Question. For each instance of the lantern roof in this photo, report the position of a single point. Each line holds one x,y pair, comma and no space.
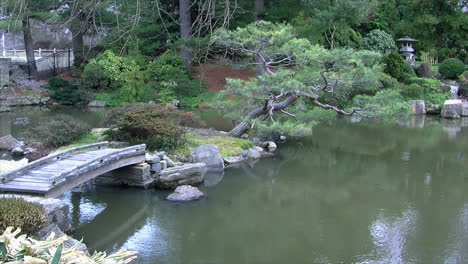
406,39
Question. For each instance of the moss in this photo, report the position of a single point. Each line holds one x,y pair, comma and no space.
92,137
30,217
228,146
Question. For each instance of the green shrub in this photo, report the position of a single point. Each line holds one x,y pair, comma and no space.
66,92
387,104
388,82
433,91
107,71
30,217
394,65
56,131
463,83
451,68
114,98
378,40
408,72
159,127
413,91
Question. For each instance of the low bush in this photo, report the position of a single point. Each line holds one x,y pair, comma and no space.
433,90
67,92
451,68
30,217
56,131
159,127
412,91
105,72
388,105
408,72
394,65
378,40
463,84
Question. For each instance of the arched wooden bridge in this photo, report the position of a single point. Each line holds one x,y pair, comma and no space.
62,171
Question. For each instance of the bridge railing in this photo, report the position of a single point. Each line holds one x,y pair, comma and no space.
98,162
50,158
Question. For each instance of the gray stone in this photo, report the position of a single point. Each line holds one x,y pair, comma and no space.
152,159
20,121
185,193
464,109
156,167
210,155
270,146
97,103
20,100
137,175
189,173
163,164
170,163
282,139
9,142
4,109
4,71
233,160
252,154
424,71
18,152
45,100
419,107
45,232
245,136
452,109
433,109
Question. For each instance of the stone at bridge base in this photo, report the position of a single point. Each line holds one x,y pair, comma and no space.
137,175
4,71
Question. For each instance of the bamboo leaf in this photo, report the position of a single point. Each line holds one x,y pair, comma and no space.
57,255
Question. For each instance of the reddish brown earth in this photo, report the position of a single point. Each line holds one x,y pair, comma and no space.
215,75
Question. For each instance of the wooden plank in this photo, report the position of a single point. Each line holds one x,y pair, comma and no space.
31,180
54,156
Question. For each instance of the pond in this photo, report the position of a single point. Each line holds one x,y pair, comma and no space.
351,193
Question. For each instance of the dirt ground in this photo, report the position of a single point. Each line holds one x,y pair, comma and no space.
215,75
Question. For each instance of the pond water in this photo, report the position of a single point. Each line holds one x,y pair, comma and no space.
351,193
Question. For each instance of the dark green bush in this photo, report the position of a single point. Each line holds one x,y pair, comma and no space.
394,65
67,92
56,131
16,212
451,68
463,84
159,127
413,91
408,72
434,93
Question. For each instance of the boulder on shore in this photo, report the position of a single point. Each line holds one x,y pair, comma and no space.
210,155
185,193
452,109
419,107
97,103
186,174
464,109
8,143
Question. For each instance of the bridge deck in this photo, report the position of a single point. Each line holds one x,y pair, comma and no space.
55,174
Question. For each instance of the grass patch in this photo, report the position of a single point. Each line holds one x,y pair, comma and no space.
228,146
92,137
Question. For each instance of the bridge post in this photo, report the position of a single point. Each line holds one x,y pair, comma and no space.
4,71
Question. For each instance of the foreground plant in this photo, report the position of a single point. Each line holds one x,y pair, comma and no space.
16,248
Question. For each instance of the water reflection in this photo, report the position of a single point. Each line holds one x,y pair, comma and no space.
352,193
390,235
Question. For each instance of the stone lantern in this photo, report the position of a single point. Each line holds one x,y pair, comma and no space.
407,50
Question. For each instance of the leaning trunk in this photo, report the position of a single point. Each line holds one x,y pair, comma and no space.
77,45
185,33
28,46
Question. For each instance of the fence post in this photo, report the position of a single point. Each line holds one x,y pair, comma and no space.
55,61
69,59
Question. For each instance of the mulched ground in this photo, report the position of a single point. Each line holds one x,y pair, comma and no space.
215,75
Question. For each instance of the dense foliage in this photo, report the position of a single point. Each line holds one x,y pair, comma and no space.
378,40
451,68
56,131
158,127
30,217
67,92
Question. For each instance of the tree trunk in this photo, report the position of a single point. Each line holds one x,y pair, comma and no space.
185,32
77,45
259,6
28,46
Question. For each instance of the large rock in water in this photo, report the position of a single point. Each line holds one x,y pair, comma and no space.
8,143
452,109
185,193
210,155
464,109
96,103
186,174
419,107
